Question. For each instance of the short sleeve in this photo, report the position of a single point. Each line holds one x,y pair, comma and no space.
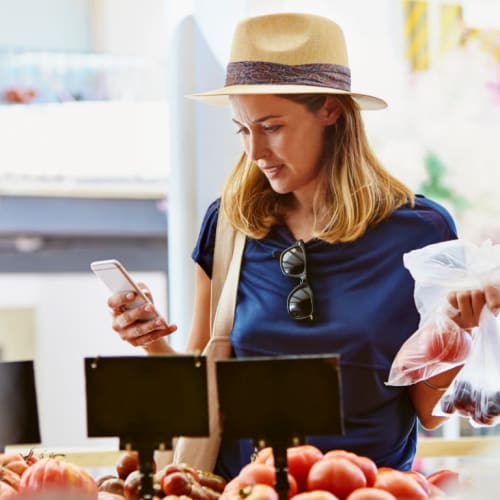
203,252
440,218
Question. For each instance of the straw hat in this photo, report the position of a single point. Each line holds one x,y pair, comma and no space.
288,54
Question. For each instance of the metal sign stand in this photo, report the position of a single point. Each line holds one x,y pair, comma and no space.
255,398
146,401
18,406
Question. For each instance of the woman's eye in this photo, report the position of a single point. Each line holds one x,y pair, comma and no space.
241,130
272,128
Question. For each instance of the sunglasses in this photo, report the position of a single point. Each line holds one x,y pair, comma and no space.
300,301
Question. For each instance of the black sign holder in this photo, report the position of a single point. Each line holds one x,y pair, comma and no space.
18,405
146,401
278,401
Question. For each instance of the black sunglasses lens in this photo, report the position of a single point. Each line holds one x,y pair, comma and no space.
300,302
293,261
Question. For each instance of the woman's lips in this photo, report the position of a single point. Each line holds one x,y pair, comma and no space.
272,171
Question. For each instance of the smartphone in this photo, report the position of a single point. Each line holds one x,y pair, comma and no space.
117,279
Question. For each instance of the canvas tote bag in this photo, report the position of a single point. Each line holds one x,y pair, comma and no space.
201,453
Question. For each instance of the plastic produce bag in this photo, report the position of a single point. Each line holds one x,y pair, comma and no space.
438,269
475,392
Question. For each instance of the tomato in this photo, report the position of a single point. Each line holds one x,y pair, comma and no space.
10,477
6,458
436,492
6,491
106,495
412,374
113,485
401,485
211,480
17,466
52,473
370,494
335,474
261,492
254,473
128,462
448,343
315,495
366,464
100,479
30,458
233,486
263,455
171,468
446,480
421,480
132,485
300,459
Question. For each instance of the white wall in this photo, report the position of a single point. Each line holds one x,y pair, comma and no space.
72,322
45,24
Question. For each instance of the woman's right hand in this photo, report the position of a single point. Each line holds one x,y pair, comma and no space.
134,325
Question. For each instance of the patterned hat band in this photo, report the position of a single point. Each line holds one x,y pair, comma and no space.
267,73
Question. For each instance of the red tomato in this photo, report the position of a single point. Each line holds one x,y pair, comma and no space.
106,495
128,462
300,459
264,455
10,477
256,473
113,485
366,464
7,491
170,468
336,475
448,343
412,374
436,492
421,480
132,485
17,466
30,458
52,473
6,458
253,473
315,495
233,486
211,480
370,494
262,492
401,485
446,480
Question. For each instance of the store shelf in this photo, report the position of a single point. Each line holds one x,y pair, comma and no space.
486,446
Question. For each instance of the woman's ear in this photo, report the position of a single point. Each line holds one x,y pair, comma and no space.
331,110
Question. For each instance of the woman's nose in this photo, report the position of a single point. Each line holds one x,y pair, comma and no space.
256,147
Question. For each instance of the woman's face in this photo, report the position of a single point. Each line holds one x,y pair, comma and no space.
284,138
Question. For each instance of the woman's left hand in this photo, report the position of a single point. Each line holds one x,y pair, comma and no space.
470,303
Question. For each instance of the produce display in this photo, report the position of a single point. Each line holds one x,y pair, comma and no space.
312,475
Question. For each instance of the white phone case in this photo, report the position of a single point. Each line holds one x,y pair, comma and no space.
116,278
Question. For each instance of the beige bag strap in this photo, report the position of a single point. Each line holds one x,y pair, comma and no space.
228,252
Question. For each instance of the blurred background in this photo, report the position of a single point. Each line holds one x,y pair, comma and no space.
102,156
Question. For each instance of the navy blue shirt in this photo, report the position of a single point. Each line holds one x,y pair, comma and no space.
365,311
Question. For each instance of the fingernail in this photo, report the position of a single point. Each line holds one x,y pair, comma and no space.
148,308
121,321
130,295
159,322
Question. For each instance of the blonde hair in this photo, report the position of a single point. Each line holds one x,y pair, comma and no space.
357,190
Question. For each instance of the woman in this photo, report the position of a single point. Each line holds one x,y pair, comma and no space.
308,185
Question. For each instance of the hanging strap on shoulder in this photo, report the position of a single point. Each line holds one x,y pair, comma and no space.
228,252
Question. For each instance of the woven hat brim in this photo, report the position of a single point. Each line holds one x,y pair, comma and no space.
221,96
